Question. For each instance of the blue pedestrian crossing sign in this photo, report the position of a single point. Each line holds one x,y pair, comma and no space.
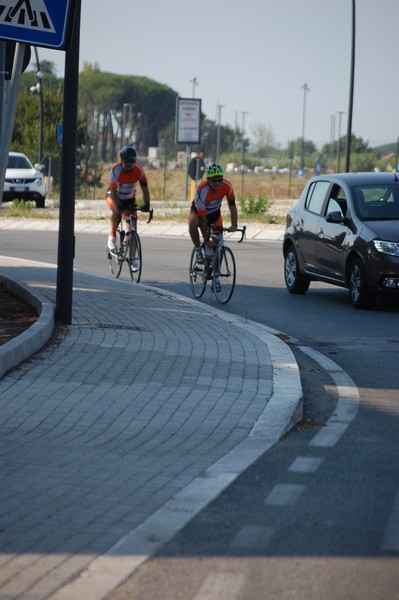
37,22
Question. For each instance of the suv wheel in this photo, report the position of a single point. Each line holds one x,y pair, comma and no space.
358,288
39,201
296,282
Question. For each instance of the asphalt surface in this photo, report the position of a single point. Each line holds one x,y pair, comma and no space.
118,429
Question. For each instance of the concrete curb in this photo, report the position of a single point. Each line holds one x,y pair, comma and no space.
23,346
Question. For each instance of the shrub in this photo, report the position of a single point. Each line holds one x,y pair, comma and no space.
252,206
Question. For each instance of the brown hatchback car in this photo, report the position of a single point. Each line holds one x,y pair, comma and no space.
344,230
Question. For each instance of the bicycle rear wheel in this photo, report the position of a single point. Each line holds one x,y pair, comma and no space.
197,275
115,259
227,276
134,258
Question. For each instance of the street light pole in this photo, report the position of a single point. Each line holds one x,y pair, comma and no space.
38,89
352,78
305,89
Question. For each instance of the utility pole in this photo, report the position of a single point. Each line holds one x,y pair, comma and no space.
305,89
194,81
219,111
243,113
340,113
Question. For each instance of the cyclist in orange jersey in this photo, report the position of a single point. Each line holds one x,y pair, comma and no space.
205,208
121,193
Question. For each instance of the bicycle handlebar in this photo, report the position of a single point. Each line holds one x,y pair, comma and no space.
241,230
133,208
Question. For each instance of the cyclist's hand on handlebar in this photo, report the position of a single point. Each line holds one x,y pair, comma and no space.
145,207
232,228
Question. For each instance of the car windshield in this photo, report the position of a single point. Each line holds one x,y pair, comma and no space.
377,203
18,162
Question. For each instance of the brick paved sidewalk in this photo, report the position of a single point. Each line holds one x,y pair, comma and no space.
125,413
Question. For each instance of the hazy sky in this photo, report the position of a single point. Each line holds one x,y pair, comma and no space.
254,57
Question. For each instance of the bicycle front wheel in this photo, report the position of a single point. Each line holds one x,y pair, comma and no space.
223,287
115,261
197,275
134,257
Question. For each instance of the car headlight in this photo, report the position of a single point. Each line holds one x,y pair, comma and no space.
391,248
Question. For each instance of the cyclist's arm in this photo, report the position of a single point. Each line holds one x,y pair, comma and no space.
233,216
146,195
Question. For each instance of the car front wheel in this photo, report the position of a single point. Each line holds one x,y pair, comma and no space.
358,288
296,282
39,201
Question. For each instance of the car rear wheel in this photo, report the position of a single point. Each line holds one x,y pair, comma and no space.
358,288
296,282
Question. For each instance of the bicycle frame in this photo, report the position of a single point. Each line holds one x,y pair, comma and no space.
219,267
128,247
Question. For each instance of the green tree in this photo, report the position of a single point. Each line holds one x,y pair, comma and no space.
103,95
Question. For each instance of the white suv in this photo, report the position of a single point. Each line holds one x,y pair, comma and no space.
23,181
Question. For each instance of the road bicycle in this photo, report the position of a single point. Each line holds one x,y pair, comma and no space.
128,246
219,267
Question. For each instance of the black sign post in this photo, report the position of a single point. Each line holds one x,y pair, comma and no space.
54,25
66,234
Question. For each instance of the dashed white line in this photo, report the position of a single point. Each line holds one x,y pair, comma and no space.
223,586
284,494
252,536
305,464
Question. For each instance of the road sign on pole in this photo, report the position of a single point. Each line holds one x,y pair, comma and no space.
37,22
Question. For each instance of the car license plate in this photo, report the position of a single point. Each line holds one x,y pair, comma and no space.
18,188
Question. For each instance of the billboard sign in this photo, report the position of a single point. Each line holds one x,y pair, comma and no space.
188,121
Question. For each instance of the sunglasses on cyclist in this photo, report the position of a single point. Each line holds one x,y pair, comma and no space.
128,161
216,179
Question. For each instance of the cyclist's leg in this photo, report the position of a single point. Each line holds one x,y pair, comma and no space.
114,220
193,228
114,216
216,221
135,228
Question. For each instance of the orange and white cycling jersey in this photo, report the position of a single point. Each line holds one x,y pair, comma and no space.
208,201
124,182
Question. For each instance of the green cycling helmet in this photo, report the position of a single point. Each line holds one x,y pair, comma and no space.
214,171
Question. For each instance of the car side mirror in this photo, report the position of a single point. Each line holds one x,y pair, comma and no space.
336,217
39,166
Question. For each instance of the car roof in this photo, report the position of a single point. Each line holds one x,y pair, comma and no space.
354,179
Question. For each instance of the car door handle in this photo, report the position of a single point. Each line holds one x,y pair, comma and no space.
320,233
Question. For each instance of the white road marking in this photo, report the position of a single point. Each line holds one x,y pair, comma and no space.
284,494
305,464
252,536
223,586
347,405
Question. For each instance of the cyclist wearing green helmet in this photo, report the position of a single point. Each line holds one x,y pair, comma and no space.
205,208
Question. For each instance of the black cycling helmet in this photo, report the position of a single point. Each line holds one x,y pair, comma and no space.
128,154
